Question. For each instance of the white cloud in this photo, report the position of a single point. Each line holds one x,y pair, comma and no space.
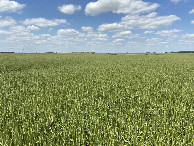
191,12
192,22
99,7
125,33
175,1
112,27
32,27
45,35
157,42
21,35
87,29
19,38
95,36
17,28
118,40
74,37
68,37
69,9
148,32
122,34
119,6
154,40
4,32
98,37
42,22
10,6
150,21
67,32
168,32
7,22
188,36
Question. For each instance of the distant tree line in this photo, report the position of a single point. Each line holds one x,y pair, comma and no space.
83,52
7,52
183,52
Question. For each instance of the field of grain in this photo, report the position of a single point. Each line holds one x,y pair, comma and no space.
96,99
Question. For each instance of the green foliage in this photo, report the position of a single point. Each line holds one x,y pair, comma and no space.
96,99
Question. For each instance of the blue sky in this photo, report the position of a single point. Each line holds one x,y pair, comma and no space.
96,25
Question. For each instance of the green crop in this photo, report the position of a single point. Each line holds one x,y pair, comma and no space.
96,99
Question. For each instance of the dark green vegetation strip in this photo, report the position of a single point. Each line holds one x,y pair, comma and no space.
66,99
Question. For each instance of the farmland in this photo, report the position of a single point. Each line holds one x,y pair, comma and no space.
96,99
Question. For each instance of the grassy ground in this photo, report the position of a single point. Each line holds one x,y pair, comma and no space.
96,99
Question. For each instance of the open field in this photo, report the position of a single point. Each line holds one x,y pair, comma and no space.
96,99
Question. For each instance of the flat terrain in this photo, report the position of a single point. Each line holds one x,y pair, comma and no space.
96,99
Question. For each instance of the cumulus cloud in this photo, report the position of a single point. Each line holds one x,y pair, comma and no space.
192,22
69,36
154,42
8,21
126,34
42,22
74,37
148,32
45,35
32,27
136,17
69,9
168,32
191,12
20,34
112,27
4,32
67,32
118,40
122,34
19,37
98,37
17,28
10,6
188,36
150,21
87,29
119,6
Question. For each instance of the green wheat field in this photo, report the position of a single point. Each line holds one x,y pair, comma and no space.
96,99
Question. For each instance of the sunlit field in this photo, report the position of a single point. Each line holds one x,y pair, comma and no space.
96,99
